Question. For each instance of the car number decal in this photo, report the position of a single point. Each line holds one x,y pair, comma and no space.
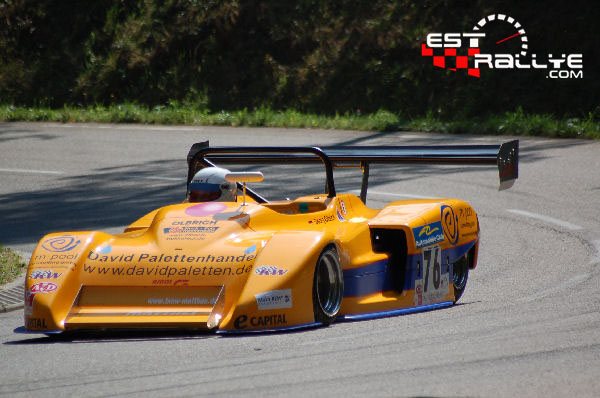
433,285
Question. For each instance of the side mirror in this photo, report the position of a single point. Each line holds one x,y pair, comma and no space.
244,177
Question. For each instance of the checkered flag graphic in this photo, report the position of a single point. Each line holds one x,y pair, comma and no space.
448,58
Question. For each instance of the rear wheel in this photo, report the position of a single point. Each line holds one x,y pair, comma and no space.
460,274
328,286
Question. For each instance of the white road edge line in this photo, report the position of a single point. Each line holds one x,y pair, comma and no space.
136,127
155,178
577,279
564,224
596,258
164,178
31,171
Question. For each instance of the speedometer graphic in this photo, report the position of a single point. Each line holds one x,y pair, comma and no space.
502,37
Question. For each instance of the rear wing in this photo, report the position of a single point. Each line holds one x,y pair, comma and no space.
504,156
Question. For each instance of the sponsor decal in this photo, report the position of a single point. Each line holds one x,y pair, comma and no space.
205,209
269,270
37,288
36,323
165,258
167,270
343,208
469,224
274,299
428,234
241,322
339,215
167,282
189,230
60,243
29,296
54,260
465,213
450,224
95,256
43,287
433,285
159,313
181,301
466,218
44,274
322,220
504,46
168,266
188,223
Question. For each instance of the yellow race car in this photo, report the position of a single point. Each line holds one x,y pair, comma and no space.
244,263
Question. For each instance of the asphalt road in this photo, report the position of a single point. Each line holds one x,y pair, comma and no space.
527,325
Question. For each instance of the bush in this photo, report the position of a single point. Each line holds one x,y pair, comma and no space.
318,57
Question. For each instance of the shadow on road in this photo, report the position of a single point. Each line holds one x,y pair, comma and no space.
116,196
108,336
104,199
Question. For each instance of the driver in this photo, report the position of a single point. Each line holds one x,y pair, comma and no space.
209,185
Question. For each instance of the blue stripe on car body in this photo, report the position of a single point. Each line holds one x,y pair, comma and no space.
376,277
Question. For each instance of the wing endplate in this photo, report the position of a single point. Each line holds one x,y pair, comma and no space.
508,164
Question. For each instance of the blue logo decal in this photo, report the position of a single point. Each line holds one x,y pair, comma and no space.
250,249
450,224
60,243
428,234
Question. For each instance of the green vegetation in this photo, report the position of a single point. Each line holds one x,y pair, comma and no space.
11,265
314,56
509,123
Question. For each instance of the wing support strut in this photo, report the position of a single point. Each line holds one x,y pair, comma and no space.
365,181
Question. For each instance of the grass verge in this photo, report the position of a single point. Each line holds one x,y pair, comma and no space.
11,265
509,123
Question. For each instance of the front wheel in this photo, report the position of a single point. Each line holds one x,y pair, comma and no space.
460,274
328,286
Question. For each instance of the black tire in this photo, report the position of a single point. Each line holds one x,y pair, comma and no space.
460,275
328,286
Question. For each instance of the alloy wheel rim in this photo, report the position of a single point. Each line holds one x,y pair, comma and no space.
328,284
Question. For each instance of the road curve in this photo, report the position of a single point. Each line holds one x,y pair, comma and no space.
527,325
